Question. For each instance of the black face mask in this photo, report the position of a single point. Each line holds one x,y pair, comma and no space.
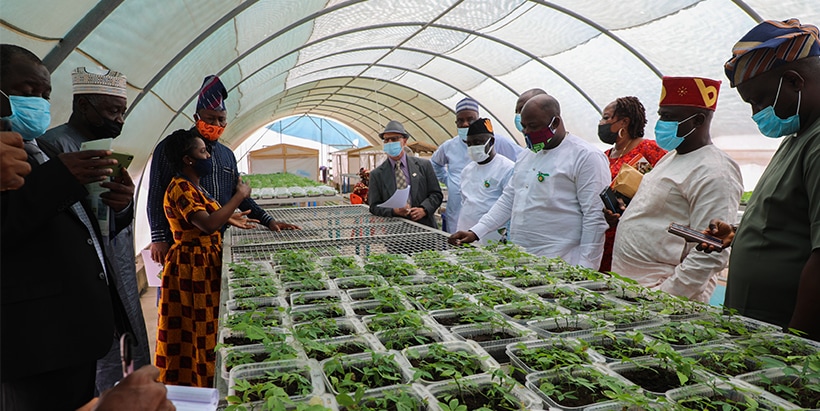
606,135
108,129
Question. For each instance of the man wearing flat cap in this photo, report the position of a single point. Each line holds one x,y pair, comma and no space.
450,158
694,182
211,119
98,108
774,269
399,171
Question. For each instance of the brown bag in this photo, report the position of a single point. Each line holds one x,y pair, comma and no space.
627,180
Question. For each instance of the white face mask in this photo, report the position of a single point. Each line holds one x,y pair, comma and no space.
479,153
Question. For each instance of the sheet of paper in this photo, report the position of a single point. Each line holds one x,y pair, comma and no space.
398,199
152,269
193,398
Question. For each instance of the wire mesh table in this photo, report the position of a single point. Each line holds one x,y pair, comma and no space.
335,230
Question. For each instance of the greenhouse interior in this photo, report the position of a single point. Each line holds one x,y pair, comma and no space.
414,205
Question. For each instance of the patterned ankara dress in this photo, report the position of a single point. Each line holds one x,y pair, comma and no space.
650,151
189,300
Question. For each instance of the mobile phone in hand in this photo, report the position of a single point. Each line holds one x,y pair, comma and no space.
126,354
694,236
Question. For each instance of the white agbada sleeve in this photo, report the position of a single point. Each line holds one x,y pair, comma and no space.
498,215
593,177
711,195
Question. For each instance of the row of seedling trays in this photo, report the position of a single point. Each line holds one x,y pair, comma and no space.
363,325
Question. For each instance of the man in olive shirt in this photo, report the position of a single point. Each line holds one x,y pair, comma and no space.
775,263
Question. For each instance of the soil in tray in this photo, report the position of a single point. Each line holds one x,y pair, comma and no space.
717,402
559,330
379,309
400,342
496,336
733,369
309,315
234,341
654,378
803,396
351,347
316,300
365,375
619,349
493,400
292,388
435,370
523,314
583,395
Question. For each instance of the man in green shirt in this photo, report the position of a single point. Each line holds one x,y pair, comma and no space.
774,270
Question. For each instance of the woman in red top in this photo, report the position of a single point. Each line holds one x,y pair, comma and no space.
623,124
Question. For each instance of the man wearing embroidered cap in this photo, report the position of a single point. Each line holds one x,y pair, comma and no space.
451,157
398,171
59,303
98,107
692,183
211,119
774,269
484,179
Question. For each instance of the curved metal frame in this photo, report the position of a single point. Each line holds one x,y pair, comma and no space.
339,93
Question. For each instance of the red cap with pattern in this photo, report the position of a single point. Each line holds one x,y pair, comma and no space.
690,91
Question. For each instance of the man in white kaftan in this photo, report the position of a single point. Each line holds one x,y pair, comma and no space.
484,179
687,186
552,200
451,157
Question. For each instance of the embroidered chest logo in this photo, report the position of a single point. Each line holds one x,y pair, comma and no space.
541,176
487,183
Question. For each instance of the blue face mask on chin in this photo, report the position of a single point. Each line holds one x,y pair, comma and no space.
770,125
30,116
393,148
666,133
518,124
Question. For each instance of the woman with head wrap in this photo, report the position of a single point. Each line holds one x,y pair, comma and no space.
622,124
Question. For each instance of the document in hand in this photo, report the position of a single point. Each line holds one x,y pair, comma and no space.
398,199
193,398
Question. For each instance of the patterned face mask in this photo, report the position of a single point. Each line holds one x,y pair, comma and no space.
208,131
537,140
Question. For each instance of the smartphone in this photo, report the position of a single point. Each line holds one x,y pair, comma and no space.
123,160
694,236
610,200
126,354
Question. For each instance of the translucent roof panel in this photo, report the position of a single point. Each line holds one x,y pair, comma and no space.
363,63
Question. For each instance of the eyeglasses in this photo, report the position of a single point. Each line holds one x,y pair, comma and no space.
392,139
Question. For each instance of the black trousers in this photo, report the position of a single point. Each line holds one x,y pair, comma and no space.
63,389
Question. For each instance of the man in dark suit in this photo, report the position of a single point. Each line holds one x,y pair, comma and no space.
60,308
400,171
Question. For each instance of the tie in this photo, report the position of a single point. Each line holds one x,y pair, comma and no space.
401,181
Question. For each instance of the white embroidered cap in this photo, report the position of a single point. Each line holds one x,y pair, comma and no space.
112,83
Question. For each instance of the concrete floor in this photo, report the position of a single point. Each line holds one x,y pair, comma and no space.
148,300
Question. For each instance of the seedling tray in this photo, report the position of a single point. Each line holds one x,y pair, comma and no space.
484,360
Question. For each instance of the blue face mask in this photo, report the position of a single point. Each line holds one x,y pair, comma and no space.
518,124
462,133
773,126
666,133
393,149
204,167
30,116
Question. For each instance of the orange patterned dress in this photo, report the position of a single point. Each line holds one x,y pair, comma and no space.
652,153
189,298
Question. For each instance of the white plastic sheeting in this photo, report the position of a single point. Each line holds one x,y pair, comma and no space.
364,63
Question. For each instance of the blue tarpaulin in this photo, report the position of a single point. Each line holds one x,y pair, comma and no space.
319,129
